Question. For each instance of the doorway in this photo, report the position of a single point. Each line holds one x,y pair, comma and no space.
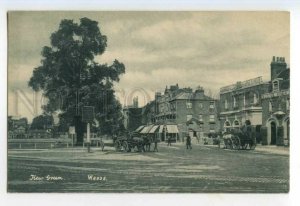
273,133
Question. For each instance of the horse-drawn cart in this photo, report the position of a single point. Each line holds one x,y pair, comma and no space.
240,138
132,141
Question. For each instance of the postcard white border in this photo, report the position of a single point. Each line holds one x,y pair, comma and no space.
155,199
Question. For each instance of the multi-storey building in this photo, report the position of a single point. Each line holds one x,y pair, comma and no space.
181,110
276,105
241,102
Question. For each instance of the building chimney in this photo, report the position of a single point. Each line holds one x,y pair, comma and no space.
277,67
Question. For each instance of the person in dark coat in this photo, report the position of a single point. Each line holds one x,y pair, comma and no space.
155,144
169,141
188,142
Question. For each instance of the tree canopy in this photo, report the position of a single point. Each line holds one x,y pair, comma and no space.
69,74
42,122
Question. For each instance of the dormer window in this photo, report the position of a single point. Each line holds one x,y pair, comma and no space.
275,85
189,105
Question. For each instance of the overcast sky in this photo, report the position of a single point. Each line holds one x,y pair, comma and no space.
210,49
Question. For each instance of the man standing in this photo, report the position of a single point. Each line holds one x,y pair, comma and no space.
169,141
155,144
188,142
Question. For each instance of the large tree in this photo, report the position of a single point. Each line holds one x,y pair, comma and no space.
70,77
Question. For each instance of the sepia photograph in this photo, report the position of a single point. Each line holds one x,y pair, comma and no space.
148,102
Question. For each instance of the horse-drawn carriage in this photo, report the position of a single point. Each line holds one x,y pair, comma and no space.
240,138
131,141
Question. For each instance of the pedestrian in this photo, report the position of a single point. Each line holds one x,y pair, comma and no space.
155,144
188,142
169,141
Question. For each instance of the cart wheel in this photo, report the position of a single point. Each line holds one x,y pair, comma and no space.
236,143
230,144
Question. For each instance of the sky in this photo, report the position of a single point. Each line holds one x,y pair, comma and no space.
208,49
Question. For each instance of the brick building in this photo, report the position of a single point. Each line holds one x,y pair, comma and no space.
276,105
241,102
179,111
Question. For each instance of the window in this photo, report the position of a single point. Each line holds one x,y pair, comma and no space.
226,104
189,105
211,105
234,102
188,117
211,128
227,124
275,86
200,117
212,118
200,105
236,123
270,106
173,107
287,104
254,98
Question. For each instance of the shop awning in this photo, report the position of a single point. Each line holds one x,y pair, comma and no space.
172,129
146,129
139,128
153,129
161,127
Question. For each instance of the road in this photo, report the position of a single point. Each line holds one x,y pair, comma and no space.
204,169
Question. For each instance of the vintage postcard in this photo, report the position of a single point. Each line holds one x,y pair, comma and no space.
148,102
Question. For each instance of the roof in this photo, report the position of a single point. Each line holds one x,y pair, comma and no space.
191,96
284,74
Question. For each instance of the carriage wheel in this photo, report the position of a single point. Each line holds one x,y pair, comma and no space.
230,144
117,145
227,143
125,146
236,143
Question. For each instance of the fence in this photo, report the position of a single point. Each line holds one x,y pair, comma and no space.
39,143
